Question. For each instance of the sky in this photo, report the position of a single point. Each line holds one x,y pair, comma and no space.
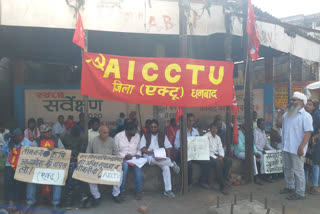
285,8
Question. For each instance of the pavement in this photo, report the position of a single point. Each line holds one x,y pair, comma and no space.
199,201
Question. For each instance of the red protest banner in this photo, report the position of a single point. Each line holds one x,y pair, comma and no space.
157,81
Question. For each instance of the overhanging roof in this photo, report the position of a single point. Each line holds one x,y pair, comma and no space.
50,24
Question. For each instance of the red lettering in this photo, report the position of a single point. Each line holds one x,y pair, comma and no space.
60,95
152,21
38,94
167,22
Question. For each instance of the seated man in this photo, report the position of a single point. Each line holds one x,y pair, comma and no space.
262,144
105,145
152,140
94,131
49,141
59,128
128,143
77,143
239,151
190,132
218,161
222,133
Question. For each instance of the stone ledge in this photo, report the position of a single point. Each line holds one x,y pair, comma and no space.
152,176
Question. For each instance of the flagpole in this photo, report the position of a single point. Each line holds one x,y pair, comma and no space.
247,100
289,78
183,46
228,57
85,97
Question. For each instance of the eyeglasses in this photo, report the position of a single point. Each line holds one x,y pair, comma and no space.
293,100
153,127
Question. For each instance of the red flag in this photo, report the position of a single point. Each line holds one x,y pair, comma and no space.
179,113
254,43
235,111
78,37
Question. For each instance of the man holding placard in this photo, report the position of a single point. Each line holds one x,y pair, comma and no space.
190,132
50,141
155,146
128,143
218,161
13,188
77,143
105,145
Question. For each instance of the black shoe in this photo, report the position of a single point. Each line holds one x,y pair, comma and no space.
117,199
84,203
68,205
96,202
268,179
286,191
55,209
295,196
225,190
257,181
204,185
123,196
138,196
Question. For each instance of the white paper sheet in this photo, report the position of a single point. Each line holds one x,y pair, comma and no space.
160,153
139,162
198,148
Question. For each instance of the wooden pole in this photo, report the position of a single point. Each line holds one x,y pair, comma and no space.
139,112
247,100
85,98
183,52
228,57
289,78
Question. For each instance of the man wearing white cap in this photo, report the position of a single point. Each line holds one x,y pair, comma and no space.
296,126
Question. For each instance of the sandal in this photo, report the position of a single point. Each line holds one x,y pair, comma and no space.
314,191
295,197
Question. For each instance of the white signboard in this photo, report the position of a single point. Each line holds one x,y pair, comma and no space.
48,104
198,148
273,162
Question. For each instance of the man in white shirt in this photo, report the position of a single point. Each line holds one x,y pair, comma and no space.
153,140
262,144
94,131
3,132
190,132
128,143
59,128
218,161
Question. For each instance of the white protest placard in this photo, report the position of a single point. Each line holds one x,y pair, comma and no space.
198,148
273,162
98,169
41,166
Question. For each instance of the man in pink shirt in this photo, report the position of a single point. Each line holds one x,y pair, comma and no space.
32,132
128,143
